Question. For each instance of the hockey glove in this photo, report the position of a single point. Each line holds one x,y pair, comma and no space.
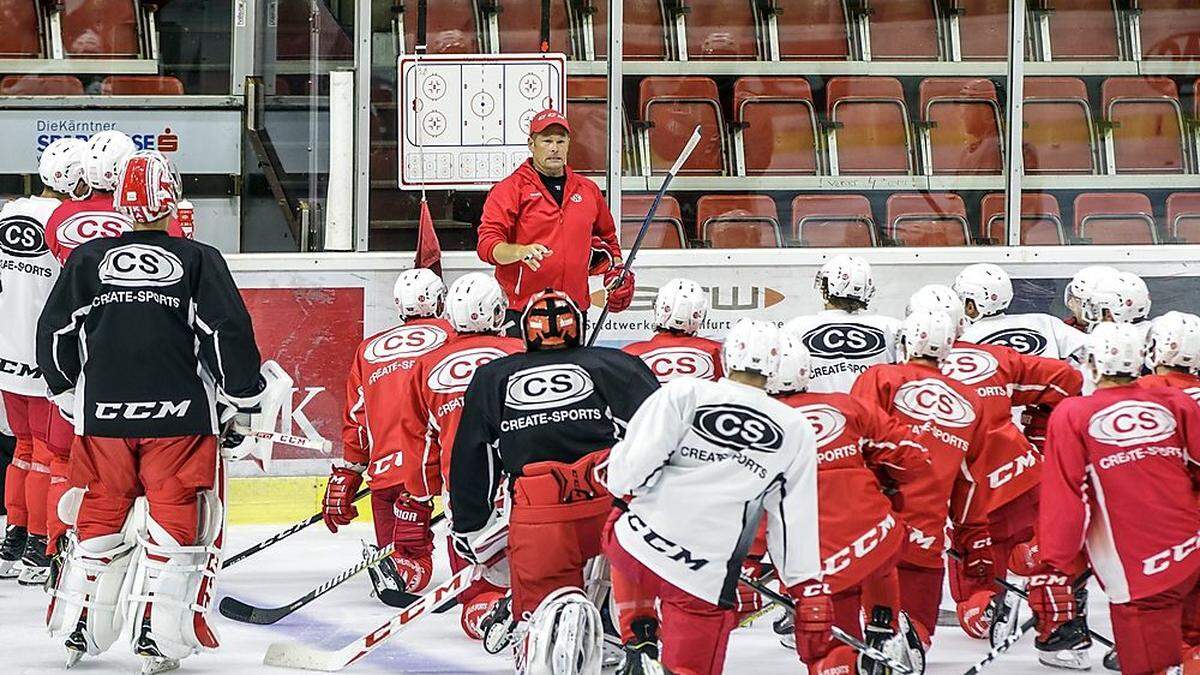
620,295
604,256
413,538
1052,600
814,621
337,509
1025,558
974,547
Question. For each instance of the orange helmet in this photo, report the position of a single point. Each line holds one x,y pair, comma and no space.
551,320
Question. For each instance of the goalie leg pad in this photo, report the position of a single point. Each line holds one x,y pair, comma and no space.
90,581
565,636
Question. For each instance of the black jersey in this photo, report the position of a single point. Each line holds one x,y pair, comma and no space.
553,405
147,328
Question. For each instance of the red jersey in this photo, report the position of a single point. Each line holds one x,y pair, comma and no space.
944,414
520,210
671,355
1190,384
74,223
855,439
429,412
377,383
1119,485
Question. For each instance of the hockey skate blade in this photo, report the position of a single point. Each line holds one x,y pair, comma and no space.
296,655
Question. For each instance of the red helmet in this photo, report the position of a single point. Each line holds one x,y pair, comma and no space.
148,188
551,320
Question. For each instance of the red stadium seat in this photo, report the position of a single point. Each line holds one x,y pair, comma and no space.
833,221
645,34
673,106
812,31
103,28
1083,30
964,113
21,37
780,134
1058,126
928,219
41,85
1183,216
1115,218
738,221
141,85
451,29
1170,29
872,135
1148,134
1041,221
903,30
721,29
293,37
520,24
983,30
587,111
665,229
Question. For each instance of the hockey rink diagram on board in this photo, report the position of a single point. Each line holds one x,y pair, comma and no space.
464,119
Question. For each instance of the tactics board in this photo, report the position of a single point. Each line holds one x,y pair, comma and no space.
464,118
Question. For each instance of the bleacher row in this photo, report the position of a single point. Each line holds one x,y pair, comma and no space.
911,219
75,29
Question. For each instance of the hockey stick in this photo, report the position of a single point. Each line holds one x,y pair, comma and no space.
323,445
1021,593
1003,646
284,534
637,243
838,633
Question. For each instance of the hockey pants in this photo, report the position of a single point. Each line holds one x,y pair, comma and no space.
60,436
1008,525
28,476
1150,632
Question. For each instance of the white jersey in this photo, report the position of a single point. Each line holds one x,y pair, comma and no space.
1031,334
702,461
27,273
844,344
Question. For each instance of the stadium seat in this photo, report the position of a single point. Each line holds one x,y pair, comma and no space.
903,30
672,107
1041,221
141,85
833,221
872,131
964,119
451,29
21,38
927,219
665,229
738,221
1170,29
983,30
780,127
293,37
1115,218
1147,120
41,85
587,111
1183,217
103,28
812,31
645,34
1058,126
520,24
1082,30
721,30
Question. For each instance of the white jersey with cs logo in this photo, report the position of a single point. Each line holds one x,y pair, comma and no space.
1029,334
844,344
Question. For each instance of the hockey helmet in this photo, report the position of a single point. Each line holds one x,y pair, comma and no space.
148,187
794,365
751,346
938,298
1115,349
61,167
1123,294
551,320
987,285
103,157
1174,341
475,303
681,305
1082,285
927,334
846,276
419,293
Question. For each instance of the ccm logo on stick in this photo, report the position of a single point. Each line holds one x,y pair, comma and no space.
934,401
88,225
736,427
1131,423
140,265
826,420
549,386
404,342
452,374
22,237
970,366
845,340
670,362
142,410
1022,340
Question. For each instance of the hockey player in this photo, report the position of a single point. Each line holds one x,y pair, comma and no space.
546,419
1173,352
27,273
1119,495
142,336
1119,298
373,443
844,340
431,408
1079,289
700,463
676,350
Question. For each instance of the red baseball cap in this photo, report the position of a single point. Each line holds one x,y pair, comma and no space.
548,118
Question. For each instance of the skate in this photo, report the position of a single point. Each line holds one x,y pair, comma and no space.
877,633
785,628
497,626
906,647
1067,648
1111,662
76,643
11,550
35,562
152,659
643,644
1006,617
383,576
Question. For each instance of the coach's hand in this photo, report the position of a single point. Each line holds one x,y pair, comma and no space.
620,290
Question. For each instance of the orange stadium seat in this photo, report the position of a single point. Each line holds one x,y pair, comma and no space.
645,34
293,38
1082,30
903,30
833,221
1041,221
587,111
812,31
1170,29
21,38
983,30
928,219
1183,216
672,107
1058,126
1115,218
520,24
451,29
964,114
141,85
665,229
103,28
1147,135
721,29
40,85
780,134
738,221
872,134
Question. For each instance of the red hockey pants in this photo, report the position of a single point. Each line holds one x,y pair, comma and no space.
1149,632
28,476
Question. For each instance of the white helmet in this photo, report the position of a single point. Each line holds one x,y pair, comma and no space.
1082,284
1123,294
846,276
1115,349
61,166
751,346
987,285
927,334
939,298
419,292
794,366
102,159
476,304
1174,340
681,305
565,636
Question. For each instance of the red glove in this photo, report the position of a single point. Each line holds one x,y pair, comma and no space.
604,256
748,600
814,621
1052,600
337,508
620,296
974,544
1034,420
413,538
1025,558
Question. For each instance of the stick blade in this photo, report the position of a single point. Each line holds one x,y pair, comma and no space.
232,608
296,655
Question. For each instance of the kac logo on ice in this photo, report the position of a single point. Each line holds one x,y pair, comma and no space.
165,141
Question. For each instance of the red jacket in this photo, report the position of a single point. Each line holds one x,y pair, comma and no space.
520,210
671,355
1190,384
76,222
